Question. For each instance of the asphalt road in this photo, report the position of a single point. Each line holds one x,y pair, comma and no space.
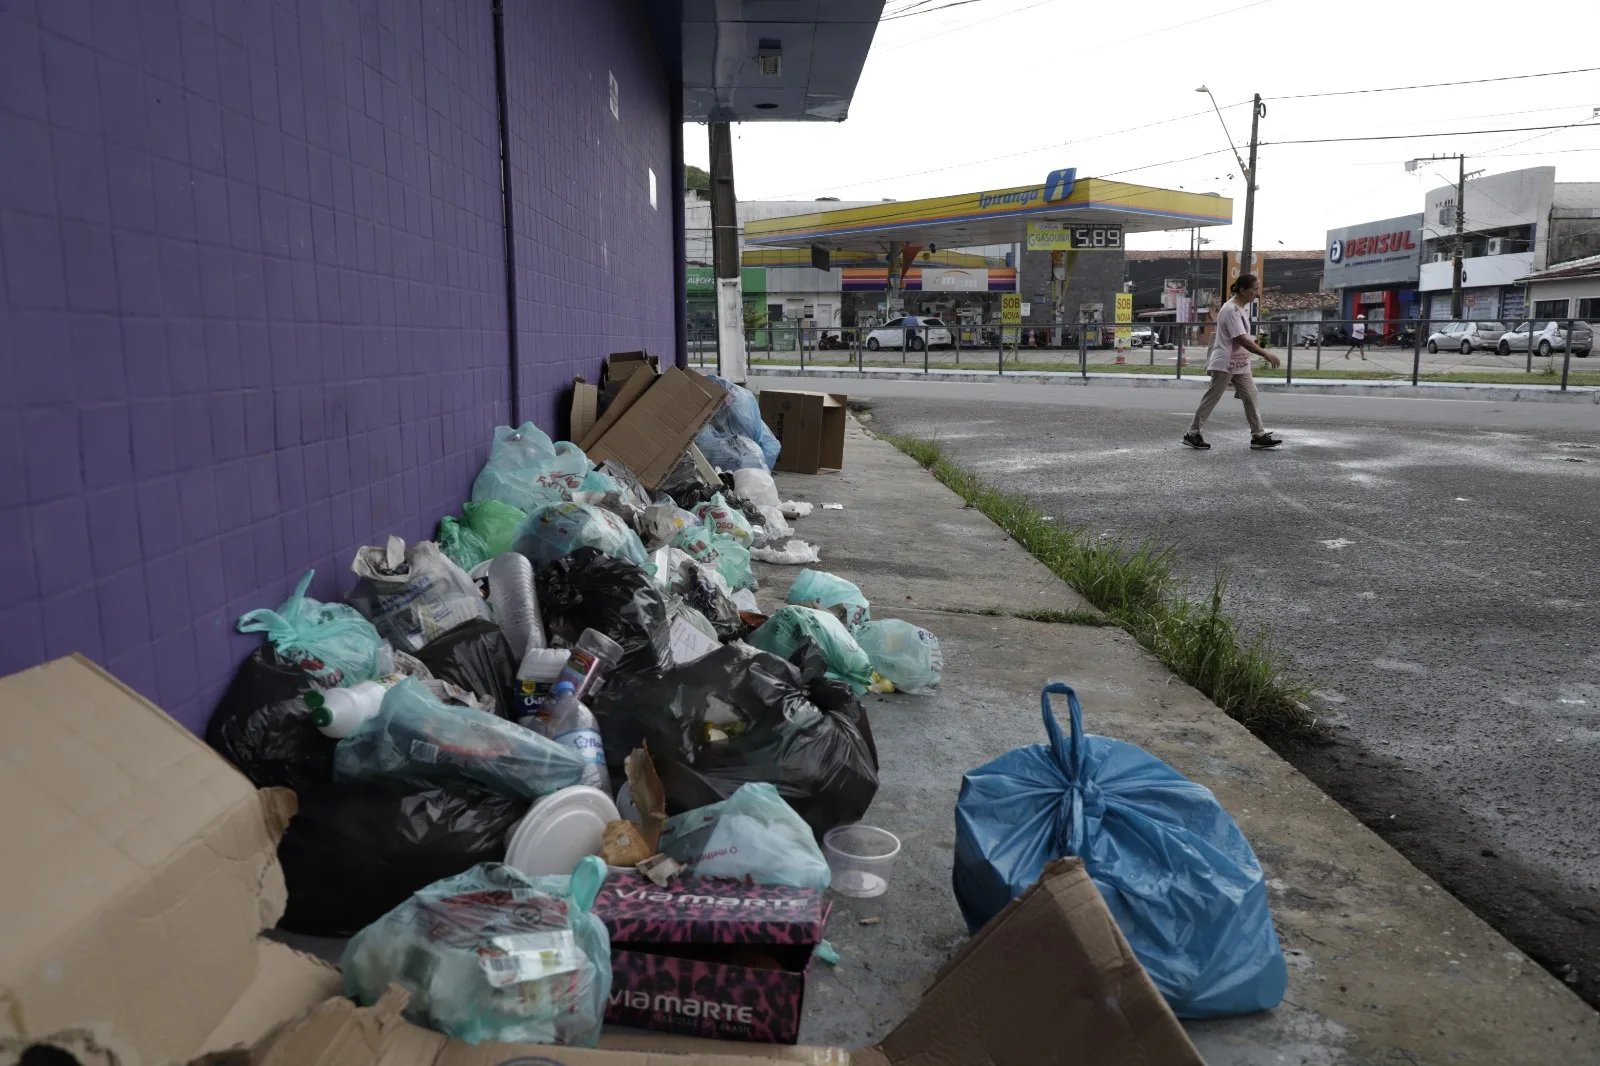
1433,564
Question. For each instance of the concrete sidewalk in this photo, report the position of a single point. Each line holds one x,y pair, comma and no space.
1385,967
1195,378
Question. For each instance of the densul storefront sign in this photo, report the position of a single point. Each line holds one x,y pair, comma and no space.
1387,252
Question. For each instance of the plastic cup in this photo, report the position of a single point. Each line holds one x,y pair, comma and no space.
861,858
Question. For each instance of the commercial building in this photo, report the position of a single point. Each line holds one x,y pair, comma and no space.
273,274
1515,225
1375,267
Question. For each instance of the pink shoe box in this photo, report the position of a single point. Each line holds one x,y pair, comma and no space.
710,957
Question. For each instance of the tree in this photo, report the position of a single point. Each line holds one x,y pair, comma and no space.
755,317
695,178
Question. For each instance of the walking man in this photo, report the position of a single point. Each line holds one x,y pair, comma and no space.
1358,337
1229,365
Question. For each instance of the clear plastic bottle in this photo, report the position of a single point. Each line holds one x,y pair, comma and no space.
568,722
591,658
515,602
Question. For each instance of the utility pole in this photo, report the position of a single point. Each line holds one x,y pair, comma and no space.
1457,310
731,362
1461,221
1257,110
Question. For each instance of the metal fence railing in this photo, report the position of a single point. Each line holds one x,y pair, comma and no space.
1401,348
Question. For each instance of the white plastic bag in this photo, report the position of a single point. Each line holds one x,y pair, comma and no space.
757,486
413,595
794,553
525,469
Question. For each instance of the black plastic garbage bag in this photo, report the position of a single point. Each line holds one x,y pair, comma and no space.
263,726
819,756
591,590
358,849
477,657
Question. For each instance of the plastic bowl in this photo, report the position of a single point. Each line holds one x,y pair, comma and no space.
861,858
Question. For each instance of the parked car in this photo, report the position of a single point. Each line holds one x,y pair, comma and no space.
1550,337
1466,337
1141,337
892,334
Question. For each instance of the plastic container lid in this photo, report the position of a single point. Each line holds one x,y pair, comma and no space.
563,688
560,830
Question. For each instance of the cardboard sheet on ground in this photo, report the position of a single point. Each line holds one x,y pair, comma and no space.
652,420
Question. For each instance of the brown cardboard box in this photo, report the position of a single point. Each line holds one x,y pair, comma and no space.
656,424
138,870
809,425
1049,982
625,398
620,366
584,412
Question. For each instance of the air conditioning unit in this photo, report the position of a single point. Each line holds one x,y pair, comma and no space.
1439,257
1496,246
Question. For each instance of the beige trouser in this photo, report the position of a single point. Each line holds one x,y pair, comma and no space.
1221,380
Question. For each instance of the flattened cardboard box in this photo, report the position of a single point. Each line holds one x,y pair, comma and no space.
584,411
139,869
1050,981
652,431
809,425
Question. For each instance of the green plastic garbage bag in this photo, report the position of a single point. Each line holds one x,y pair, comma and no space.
786,630
558,529
752,834
525,469
728,521
723,554
493,954
489,528
331,641
818,588
907,655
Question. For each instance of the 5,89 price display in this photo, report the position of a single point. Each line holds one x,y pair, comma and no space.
1065,237
1085,238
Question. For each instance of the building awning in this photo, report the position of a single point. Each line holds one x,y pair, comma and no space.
764,60
997,217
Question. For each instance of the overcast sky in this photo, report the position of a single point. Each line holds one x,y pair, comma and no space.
995,93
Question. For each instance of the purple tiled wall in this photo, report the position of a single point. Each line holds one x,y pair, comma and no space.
252,299
594,258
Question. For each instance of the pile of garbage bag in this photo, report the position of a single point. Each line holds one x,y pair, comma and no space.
424,722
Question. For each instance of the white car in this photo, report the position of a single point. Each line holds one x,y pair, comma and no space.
1465,337
1551,337
892,334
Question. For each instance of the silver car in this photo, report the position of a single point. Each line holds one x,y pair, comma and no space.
1550,337
1465,337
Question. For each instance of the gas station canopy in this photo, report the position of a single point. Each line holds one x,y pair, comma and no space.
998,217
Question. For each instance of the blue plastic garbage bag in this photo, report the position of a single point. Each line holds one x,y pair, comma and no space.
741,413
1176,873
493,954
729,451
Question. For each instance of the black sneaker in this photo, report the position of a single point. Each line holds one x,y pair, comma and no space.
1196,441
1266,440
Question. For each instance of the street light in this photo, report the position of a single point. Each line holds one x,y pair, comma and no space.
1236,158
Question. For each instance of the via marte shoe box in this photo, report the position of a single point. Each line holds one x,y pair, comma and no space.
710,957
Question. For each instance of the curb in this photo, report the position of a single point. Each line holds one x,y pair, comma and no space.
1437,390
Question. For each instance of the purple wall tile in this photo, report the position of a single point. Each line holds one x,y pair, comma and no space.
263,303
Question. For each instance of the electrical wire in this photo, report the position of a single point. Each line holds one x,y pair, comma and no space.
1413,136
1436,84
925,10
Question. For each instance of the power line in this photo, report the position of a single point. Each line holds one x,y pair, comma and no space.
1436,84
908,12
1414,136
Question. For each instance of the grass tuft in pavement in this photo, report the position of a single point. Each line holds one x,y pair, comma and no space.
1133,583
